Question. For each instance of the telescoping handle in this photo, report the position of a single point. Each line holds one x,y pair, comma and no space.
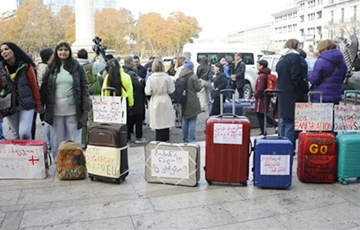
315,93
356,92
222,92
111,89
272,92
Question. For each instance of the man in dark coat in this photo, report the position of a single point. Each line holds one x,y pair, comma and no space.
238,75
141,70
136,113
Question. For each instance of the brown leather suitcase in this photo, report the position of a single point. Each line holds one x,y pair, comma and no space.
107,152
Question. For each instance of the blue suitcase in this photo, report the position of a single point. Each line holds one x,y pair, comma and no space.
273,158
348,165
239,105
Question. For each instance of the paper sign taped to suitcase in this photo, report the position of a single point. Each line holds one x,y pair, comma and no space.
347,118
170,163
231,134
22,162
275,165
313,116
109,109
103,161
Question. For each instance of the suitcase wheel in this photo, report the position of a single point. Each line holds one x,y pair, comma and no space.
342,181
209,182
91,178
243,183
119,180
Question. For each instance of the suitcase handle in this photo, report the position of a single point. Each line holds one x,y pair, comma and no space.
272,92
17,141
356,92
222,92
315,93
111,89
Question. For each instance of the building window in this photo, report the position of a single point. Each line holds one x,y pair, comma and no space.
302,32
301,18
319,30
342,14
290,28
294,27
355,13
319,14
331,1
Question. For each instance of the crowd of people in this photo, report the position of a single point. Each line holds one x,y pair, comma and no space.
60,86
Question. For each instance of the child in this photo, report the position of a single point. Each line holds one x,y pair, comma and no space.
261,84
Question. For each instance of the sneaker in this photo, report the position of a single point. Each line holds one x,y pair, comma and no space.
203,110
140,141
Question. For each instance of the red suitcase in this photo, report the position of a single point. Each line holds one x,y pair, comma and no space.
317,155
227,147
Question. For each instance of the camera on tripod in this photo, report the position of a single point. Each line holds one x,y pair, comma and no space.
98,48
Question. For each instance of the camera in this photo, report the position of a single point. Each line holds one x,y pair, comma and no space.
98,48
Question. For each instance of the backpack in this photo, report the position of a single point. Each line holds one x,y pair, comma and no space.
180,93
271,82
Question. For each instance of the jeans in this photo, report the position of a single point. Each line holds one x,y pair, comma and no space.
287,129
269,120
1,130
48,135
189,128
21,123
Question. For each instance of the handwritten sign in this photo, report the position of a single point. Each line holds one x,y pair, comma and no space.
22,162
171,164
347,118
275,165
103,161
228,134
313,116
109,109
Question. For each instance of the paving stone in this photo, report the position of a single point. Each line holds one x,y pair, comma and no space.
11,221
266,224
9,197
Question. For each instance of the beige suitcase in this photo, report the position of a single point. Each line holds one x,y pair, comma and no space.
171,163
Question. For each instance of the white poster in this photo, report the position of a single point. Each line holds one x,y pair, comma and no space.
22,162
231,134
275,165
109,109
347,118
170,164
313,116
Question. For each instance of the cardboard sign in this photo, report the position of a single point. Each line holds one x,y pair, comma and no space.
109,109
231,134
274,165
313,116
22,162
171,164
103,161
347,118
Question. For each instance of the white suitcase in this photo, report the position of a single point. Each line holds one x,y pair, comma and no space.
170,163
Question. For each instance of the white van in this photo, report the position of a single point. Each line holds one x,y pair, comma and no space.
215,51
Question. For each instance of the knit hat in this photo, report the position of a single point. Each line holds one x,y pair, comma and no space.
188,64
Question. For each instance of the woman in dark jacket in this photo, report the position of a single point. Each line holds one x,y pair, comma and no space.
66,97
292,83
261,84
17,77
219,82
328,73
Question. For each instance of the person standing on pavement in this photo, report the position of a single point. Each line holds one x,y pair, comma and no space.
1,130
192,107
136,113
291,72
162,115
205,73
218,83
171,71
141,70
225,64
328,73
238,75
66,97
148,65
17,77
260,87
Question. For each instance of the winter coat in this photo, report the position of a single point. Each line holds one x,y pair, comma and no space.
291,72
219,81
205,72
239,71
161,111
325,79
261,85
139,93
142,71
41,69
81,94
192,106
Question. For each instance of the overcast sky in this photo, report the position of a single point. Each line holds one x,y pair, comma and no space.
218,18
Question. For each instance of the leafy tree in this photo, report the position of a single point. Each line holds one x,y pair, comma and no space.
65,24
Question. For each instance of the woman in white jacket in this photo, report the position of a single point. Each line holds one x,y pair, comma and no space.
161,111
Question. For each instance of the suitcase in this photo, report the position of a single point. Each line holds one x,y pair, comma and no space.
348,165
177,164
250,113
317,155
273,158
239,105
24,159
70,161
227,147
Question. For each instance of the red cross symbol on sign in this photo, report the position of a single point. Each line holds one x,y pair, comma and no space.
33,160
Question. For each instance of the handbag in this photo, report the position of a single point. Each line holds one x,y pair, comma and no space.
8,104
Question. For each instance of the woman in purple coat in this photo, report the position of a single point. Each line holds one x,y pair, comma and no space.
328,73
